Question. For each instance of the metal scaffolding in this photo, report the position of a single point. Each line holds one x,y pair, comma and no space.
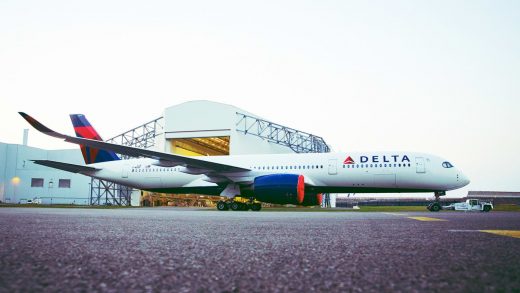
140,137
108,193
298,141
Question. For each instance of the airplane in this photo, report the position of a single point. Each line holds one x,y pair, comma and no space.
297,179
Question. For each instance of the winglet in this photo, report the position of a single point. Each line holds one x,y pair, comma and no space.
40,127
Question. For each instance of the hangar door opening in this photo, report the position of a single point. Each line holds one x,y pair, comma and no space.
194,146
201,146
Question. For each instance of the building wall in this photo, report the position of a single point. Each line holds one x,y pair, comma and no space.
15,162
243,144
3,169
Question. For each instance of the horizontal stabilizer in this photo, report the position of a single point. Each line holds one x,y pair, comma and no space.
66,167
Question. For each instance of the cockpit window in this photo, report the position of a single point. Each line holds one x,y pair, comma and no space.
447,165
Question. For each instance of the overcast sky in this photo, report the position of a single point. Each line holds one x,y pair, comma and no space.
441,77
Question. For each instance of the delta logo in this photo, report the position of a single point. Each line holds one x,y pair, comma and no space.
349,161
379,159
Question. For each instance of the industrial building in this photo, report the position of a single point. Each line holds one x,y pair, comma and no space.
195,128
497,197
22,180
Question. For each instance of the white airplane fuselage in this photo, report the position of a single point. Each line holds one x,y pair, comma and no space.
370,172
277,178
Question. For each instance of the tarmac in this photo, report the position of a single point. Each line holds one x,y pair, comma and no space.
189,250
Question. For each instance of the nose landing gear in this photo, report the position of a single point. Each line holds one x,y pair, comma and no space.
435,206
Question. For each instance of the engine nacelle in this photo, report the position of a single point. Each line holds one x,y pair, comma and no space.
280,188
312,199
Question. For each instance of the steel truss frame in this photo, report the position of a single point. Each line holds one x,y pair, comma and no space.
298,141
109,193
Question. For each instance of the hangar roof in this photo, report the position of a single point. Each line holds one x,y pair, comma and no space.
201,116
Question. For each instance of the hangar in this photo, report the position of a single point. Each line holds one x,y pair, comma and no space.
194,128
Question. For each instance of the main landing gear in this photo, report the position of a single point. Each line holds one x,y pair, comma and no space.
239,204
435,206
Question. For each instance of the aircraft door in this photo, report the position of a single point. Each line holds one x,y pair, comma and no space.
333,166
419,163
124,171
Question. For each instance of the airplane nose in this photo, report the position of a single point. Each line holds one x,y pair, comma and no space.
463,179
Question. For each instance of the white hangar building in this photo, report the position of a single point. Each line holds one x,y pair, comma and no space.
195,128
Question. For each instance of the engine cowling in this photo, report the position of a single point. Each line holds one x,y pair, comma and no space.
312,199
280,188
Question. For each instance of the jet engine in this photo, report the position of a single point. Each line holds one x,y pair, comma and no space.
280,189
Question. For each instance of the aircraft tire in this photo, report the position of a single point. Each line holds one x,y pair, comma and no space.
222,206
435,207
256,207
235,206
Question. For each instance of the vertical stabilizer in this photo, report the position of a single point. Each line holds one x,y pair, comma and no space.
83,129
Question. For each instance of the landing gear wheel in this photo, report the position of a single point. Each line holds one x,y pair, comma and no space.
256,207
222,206
235,206
434,207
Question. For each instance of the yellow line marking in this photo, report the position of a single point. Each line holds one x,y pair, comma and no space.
510,233
427,219
396,214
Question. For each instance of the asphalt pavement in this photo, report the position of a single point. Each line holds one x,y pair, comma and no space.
188,250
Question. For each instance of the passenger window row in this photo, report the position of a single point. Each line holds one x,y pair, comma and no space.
141,170
376,165
299,167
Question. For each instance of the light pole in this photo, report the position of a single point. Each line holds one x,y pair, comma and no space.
51,185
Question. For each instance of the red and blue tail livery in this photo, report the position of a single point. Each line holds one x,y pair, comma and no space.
84,129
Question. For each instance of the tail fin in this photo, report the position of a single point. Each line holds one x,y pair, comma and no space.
83,129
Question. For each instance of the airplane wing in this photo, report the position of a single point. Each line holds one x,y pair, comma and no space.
66,166
195,165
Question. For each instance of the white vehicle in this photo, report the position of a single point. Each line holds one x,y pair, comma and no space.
278,178
31,201
470,205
